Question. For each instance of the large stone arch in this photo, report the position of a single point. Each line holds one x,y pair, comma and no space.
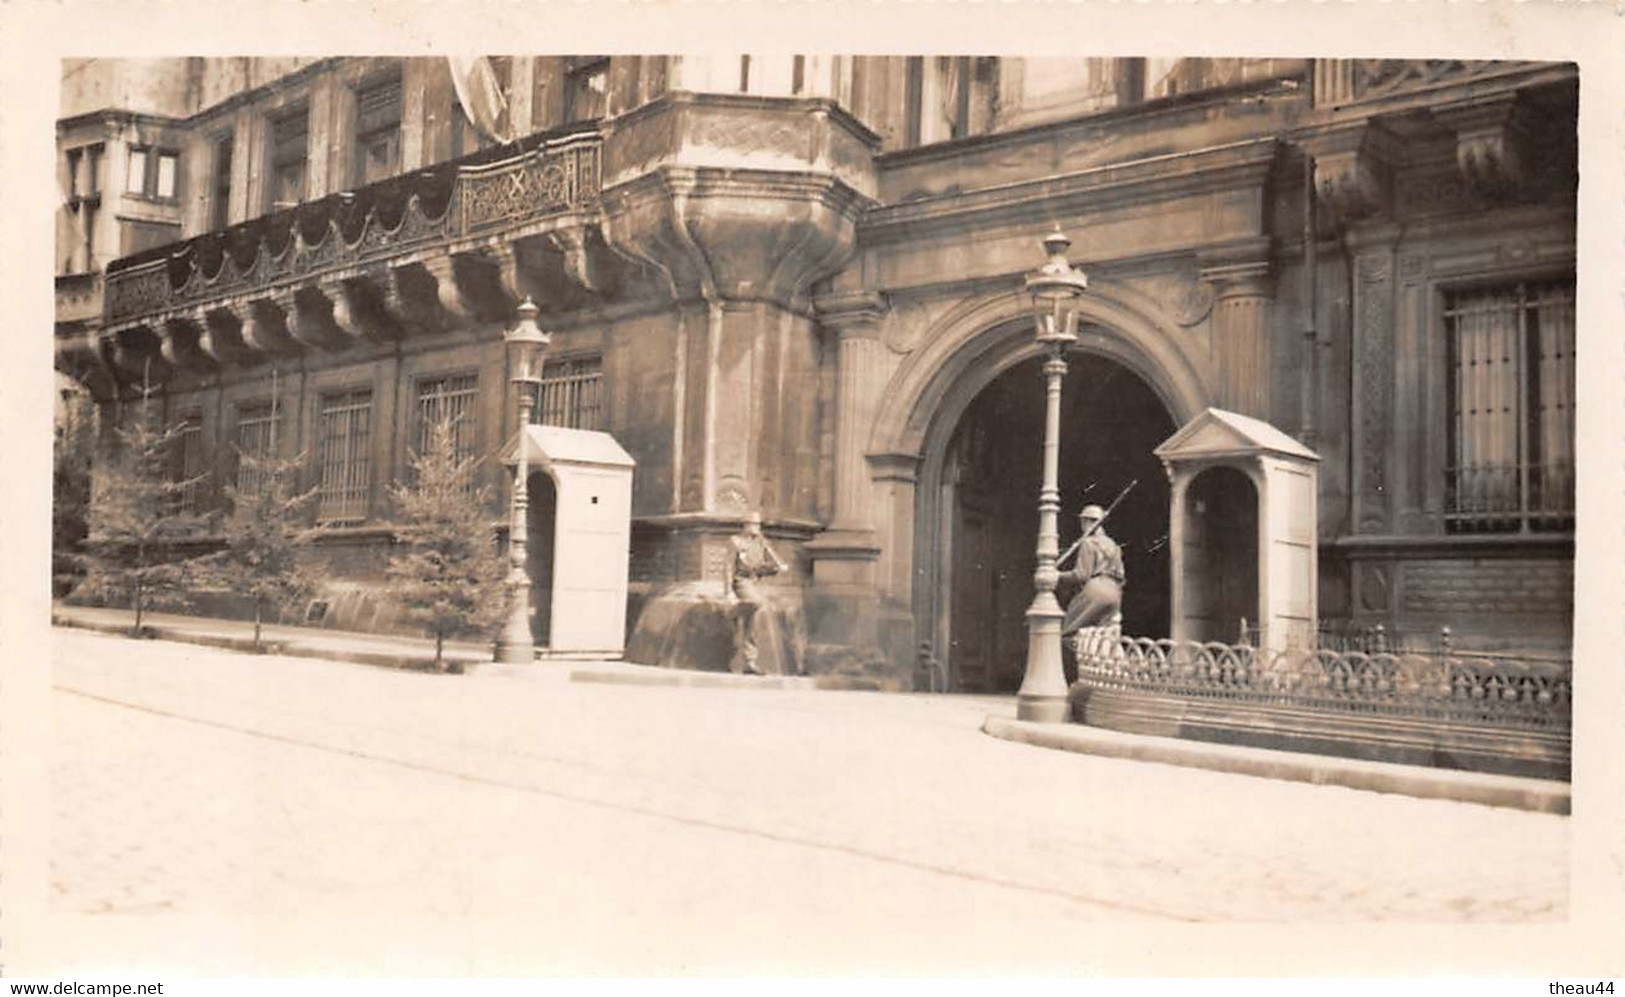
982,330
962,354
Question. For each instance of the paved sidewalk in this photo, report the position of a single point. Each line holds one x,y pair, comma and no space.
387,650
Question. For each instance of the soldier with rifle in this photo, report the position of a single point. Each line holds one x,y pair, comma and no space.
1098,572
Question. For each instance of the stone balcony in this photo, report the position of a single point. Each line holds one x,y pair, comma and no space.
448,247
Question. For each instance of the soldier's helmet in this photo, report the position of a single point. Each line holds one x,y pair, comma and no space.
1094,512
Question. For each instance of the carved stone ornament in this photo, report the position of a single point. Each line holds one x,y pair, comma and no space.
904,328
1492,146
1374,588
1184,297
1354,169
732,498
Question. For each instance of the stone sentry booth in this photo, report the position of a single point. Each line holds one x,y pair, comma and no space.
580,537
1241,532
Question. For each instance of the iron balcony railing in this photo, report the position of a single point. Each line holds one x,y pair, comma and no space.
506,188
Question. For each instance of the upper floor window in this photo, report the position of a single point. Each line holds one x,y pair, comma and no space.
290,149
586,87
83,190
152,173
948,97
220,203
1511,454
377,131
569,395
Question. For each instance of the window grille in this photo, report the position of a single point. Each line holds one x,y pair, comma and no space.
345,428
1511,463
189,463
256,437
450,398
569,395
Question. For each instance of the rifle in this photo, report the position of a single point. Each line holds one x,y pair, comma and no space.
1103,517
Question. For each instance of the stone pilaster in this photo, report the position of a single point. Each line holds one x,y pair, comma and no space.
855,321
1243,292
1373,348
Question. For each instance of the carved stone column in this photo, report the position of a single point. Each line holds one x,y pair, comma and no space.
1243,293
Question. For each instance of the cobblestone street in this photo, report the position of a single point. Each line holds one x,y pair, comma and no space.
673,828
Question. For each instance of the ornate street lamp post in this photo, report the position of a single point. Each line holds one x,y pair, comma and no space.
1055,290
526,343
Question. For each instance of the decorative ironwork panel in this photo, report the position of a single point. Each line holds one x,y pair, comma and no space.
1495,690
541,182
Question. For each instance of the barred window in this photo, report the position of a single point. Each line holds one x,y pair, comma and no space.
570,392
1512,389
188,466
449,398
256,437
344,423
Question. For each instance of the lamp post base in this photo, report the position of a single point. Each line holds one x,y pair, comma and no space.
1042,709
1042,697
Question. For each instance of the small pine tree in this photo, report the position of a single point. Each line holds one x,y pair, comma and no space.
136,525
70,489
447,573
266,536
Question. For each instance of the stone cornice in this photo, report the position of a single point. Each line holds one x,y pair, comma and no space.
1240,165
743,101
1141,113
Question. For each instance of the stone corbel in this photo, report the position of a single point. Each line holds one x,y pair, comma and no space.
361,307
222,337
136,352
181,345
1492,145
456,308
586,259
516,271
265,327
1354,166
311,320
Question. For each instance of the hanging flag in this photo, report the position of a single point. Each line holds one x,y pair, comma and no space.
479,94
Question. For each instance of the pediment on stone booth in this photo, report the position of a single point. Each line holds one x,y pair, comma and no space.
1218,433
549,446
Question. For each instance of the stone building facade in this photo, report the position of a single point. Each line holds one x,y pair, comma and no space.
794,284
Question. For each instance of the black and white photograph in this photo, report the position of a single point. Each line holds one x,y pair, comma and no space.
882,509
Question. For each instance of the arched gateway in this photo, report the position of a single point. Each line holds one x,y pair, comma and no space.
965,414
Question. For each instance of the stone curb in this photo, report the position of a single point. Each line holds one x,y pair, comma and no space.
292,648
1538,795
629,673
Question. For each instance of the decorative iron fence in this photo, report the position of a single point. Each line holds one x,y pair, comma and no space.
1479,688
